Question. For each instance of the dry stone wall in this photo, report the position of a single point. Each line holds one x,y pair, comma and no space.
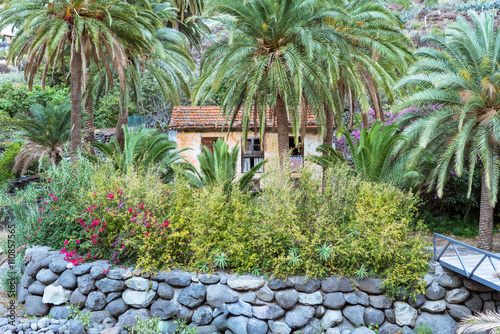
239,304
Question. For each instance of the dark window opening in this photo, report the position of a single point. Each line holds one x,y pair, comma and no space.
209,143
296,154
252,155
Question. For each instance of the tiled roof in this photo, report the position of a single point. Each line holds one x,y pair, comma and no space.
211,118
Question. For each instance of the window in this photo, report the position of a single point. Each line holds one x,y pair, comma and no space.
252,155
208,142
296,155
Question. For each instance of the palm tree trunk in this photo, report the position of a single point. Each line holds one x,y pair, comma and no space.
122,118
330,125
282,129
88,124
76,97
485,240
351,110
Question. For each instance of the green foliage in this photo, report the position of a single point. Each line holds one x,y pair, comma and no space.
183,328
7,158
82,316
106,115
423,329
145,326
445,224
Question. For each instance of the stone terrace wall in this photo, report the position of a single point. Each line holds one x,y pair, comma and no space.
225,303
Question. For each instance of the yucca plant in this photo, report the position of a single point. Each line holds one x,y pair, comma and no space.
462,77
219,168
46,132
144,148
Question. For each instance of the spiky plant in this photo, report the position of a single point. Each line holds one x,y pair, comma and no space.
46,132
487,322
463,78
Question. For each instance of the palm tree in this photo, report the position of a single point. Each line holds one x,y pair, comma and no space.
93,29
143,148
273,58
462,77
219,168
46,131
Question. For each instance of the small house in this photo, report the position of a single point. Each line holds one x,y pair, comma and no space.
195,127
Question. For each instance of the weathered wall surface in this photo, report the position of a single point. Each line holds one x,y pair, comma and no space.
224,303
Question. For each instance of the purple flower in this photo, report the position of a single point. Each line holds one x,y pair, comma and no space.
120,205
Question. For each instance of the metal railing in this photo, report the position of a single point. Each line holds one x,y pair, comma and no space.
464,271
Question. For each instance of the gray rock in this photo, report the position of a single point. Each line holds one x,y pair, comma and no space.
178,278
381,302
388,328
98,317
59,312
474,303
488,306
209,279
335,300
240,308
37,288
218,294
26,279
129,318
56,295
58,266
165,309
486,296
185,314
99,269
68,280
278,327
77,298
434,306
287,298
265,294
374,316
43,323
211,329
46,276
405,314
138,283
362,330
165,291
408,330
458,312
355,314
475,286
299,316
389,315
81,269
115,273
496,295
320,311
311,298
245,283
96,301
249,297
439,323
306,284
435,292
337,284
357,297
220,322
75,327
262,312
457,296
279,283
86,284
370,285
112,296
117,307
238,324
314,327
159,276
193,295
256,326
417,302
330,318
110,285
449,281
276,311
202,315
138,299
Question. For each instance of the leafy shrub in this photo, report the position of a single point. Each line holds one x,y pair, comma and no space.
7,158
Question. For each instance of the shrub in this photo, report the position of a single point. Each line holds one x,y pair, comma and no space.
7,159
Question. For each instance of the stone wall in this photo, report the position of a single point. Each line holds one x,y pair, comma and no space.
224,303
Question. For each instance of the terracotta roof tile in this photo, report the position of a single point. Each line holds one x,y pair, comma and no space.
211,118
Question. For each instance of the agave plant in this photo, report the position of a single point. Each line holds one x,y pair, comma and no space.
46,132
219,168
144,148
488,322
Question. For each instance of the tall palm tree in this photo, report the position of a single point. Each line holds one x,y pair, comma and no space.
96,29
462,77
272,57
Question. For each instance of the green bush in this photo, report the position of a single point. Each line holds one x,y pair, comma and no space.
7,158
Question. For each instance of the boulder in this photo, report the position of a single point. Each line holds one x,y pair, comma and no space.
355,314
331,317
439,323
306,284
256,326
238,324
138,283
97,317
449,281
357,298
313,327
374,316
418,301
193,295
369,285
129,318
117,307
474,303
249,297
86,284
311,298
435,292
280,283
185,314
457,296
37,288
112,296
381,302
107,285
362,330
265,294
218,294
75,327
476,286
58,266
178,278
405,314
138,299
77,298
202,315
209,279
46,276
299,316
240,308
320,311
458,312
81,269
165,309
35,306
389,315
434,306
99,269
165,291
388,328
262,312
56,295
279,327
337,284
287,298
59,312
335,300
68,280
96,301
245,283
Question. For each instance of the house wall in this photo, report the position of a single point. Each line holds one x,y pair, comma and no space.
192,140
